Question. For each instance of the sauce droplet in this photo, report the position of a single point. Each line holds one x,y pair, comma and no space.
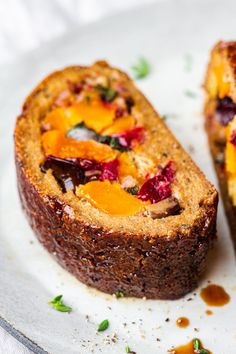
187,349
214,295
182,322
209,312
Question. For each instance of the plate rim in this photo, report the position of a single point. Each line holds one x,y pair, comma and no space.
21,337
5,324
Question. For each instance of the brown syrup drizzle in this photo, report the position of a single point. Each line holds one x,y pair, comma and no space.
208,312
182,322
214,295
187,349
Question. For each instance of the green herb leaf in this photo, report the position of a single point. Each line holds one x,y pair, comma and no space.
58,305
119,294
127,349
141,69
196,344
107,93
115,144
169,116
87,99
196,347
132,190
190,94
56,299
103,326
80,125
112,141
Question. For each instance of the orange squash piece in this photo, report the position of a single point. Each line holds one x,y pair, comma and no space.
110,198
89,149
120,125
230,153
223,85
52,141
55,143
94,114
126,167
218,85
62,118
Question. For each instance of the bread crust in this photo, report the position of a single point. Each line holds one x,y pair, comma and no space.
164,263
216,151
227,51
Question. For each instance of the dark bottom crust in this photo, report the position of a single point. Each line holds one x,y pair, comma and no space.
161,269
217,149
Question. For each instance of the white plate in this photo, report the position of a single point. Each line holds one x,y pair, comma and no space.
164,33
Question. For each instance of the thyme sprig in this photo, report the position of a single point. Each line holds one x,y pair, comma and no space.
141,69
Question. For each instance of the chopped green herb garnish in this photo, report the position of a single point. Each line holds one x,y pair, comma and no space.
119,294
196,347
127,349
103,326
188,62
196,344
79,125
132,190
107,93
87,99
141,69
112,141
58,305
167,116
104,139
190,93
115,144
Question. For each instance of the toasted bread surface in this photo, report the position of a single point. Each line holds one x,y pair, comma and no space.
140,255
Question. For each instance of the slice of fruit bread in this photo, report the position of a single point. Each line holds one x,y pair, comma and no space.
108,189
220,122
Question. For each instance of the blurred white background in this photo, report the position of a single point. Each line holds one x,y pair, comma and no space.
25,24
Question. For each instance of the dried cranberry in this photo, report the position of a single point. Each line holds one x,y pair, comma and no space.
69,173
109,170
225,110
76,87
128,138
158,187
168,171
233,138
119,112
